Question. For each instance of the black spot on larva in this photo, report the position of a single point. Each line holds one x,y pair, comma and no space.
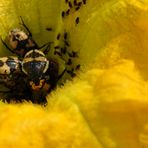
17,35
70,4
14,38
58,36
77,20
63,13
1,63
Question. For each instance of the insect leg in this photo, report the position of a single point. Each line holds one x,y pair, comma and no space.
8,47
24,25
38,97
61,75
46,50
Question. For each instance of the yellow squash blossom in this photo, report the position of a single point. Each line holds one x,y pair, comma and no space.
106,105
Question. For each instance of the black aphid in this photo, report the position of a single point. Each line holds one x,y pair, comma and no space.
74,54
67,12
77,20
64,50
77,8
71,72
57,47
70,4
78,67
63,14
65,35
75,2
57,53
69,62
49,29
66,43
79,4
58,36
66,1
84,1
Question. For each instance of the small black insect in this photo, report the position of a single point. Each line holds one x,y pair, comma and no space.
79,4
64,50
63,14
66,43
84,1
66,1
73,54
49,29
57,53
58,36
77,20
78,67
70,4
57,47
69,62
67,12
77,8
75,2
65,35
71,72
